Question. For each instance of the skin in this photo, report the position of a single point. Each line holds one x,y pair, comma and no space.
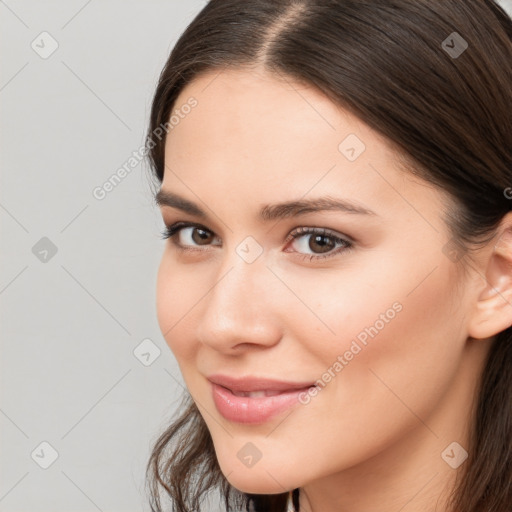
375,434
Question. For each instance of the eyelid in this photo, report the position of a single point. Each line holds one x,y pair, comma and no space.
314,230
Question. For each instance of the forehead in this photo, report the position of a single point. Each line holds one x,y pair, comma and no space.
257,137
264,114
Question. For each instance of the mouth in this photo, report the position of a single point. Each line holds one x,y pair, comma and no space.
255,394
257,384
254,400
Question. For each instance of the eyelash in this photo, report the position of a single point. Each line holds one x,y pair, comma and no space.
170,231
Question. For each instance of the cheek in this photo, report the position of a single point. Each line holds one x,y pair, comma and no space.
397,334
177,291
398,309
400,345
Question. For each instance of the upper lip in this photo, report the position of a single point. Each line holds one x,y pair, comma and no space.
249,384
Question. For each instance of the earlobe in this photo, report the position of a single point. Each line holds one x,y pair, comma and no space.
493,309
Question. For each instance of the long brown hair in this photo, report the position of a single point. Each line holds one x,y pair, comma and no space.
449,115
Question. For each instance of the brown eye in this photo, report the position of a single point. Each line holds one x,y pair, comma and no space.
201,236
321,243
193,235
187,236
318,243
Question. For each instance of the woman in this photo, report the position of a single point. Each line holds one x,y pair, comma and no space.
334,176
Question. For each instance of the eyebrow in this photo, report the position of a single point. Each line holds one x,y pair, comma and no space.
269,212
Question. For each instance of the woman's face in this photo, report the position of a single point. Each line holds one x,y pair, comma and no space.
369,306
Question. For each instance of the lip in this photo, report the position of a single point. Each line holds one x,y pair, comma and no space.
254,410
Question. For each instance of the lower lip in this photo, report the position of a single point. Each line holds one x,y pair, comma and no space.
244,409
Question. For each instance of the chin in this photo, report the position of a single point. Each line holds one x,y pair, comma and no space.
255,485
258,480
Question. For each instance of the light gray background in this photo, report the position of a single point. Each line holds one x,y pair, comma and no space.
70,324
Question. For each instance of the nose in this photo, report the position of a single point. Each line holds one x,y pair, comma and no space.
240,312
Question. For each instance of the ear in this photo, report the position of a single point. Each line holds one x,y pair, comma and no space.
493,310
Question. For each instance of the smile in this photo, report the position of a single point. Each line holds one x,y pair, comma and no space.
254,400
